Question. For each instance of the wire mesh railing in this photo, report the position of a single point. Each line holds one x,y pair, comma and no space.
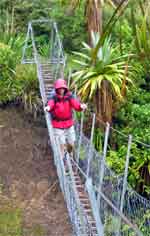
111,184
78,216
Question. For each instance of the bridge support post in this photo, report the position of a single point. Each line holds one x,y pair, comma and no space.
80,137
91,141
102,162
92,197
124,188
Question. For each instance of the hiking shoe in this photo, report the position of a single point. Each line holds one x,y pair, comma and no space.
67,173
65,158
65,164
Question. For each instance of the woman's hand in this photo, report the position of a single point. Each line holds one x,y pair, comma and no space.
83,106
47,108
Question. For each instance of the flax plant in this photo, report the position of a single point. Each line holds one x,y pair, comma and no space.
101,80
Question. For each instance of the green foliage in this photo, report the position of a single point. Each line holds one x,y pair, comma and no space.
116,159
7,62
98,140
141,32
119,10
135,114
107,67
122,36
16,14
133,118
35,230
71,25
144,229
24,86
10,220
38,230
139,157
10,54
26,78
110,224
15,43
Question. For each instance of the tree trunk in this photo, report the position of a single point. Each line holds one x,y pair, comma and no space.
104,103
145,177
93,12
104,95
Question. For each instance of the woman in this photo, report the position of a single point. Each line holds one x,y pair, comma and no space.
61,105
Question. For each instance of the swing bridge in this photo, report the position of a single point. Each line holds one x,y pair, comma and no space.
99,202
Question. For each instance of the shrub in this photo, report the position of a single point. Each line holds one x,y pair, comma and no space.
7,62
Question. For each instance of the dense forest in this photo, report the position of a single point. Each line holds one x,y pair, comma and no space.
107,46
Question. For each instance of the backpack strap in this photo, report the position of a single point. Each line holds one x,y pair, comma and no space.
56,99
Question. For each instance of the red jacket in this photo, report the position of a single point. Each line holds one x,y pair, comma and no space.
61,110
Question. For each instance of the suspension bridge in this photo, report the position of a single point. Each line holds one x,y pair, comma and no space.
99,202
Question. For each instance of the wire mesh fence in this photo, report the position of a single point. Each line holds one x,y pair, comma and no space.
135,207
115,223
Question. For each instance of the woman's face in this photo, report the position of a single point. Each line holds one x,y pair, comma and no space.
61,91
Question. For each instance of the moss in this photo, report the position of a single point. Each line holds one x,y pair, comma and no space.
35,230
10,219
